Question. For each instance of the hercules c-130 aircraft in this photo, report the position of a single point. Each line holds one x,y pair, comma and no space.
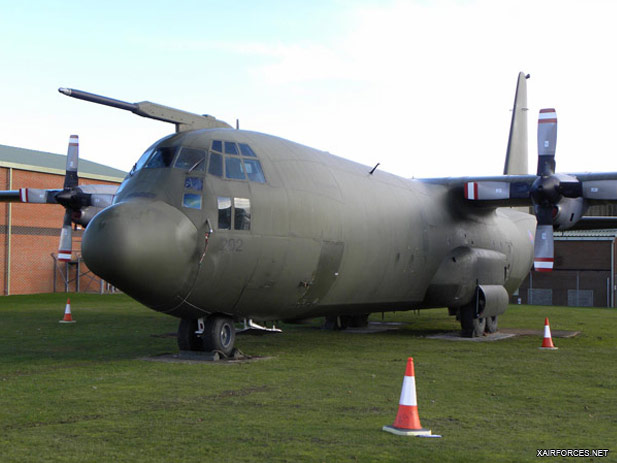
216,225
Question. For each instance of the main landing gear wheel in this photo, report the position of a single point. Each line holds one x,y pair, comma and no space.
219,334
342,322
187,338
491,325
471,326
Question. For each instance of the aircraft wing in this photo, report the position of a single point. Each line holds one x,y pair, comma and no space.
559,200
528,190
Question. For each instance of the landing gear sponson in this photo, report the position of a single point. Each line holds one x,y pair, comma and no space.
216,333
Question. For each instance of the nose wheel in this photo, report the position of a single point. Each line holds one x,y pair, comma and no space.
218,334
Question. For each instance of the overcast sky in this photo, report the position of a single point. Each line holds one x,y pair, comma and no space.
423,87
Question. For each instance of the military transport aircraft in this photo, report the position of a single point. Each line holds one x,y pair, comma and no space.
215,225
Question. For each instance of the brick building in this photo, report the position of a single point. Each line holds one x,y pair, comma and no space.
30,233
584,272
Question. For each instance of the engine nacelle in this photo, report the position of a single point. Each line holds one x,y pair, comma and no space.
85,215
569,211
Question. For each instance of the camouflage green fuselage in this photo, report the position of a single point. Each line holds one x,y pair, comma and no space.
305,233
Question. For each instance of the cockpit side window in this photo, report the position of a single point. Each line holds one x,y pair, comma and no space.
191,159
224,207
254,171
231,148
217,145
242,214
234,168
246,150
216,165
142,160
240,161
162,157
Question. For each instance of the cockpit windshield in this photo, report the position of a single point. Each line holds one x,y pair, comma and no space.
226,159
162,157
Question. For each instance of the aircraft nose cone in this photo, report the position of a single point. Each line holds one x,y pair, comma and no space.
145,248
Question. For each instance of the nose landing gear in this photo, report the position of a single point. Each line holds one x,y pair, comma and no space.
215,333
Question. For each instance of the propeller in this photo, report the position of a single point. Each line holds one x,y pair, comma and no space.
557,199
81,203
545,191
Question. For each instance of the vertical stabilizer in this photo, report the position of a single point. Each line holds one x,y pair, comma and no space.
516,154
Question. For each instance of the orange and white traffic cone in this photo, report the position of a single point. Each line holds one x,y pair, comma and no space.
407,422
67,313
547,342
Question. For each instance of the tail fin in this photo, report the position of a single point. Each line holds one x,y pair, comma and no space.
516,154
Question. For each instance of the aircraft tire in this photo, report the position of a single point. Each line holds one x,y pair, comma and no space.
187,339
491,324
471,327
335,322
219,334
357,321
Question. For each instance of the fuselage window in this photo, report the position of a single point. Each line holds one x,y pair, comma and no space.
217,145
194,183
246,150
162,157
234,168
216,165
242,214
191,200
191,159
254,171
231,148
224,207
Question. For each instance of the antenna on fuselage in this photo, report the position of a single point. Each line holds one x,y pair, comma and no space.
374,168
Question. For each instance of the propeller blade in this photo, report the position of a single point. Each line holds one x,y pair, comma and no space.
600,189
543,249
66,239
547,141
487,190
72,159
38,196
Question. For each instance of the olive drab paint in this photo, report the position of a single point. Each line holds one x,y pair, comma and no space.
325,236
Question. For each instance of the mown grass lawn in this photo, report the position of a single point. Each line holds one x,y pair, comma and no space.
86,392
